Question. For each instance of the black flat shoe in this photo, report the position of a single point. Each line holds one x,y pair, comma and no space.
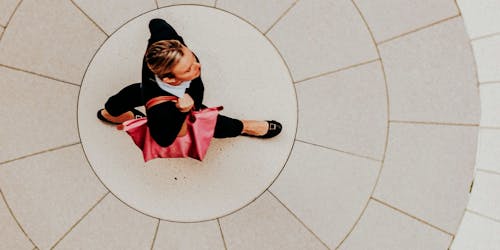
273,130
137,114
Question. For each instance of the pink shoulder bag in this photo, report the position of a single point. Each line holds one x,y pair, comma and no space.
194,144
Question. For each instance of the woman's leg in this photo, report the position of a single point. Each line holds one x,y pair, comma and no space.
230,127
119,107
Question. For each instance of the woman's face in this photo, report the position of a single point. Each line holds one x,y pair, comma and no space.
186,69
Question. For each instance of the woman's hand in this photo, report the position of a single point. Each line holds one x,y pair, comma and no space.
185,103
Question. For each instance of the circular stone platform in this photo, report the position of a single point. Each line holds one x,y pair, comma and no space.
250,80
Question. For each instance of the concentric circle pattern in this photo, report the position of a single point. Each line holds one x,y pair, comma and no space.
379,101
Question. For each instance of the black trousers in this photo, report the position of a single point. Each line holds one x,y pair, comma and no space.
130,97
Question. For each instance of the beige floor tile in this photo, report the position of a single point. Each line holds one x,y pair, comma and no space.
327,190
482,17
485,198
477,232
322,36
425,163
7,8
261,13
37,114
266,223
486,51
488,156
111,225
203,235
163,3
123,11
390,18
384,228
431,77
50,192
176,188
11,236
334,110
490,105
50,37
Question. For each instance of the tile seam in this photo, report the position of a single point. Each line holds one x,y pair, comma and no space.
215,3
489,127
80,220
485,37
15,219
489,82
157,5
388,111
155,234
483,215
222,234
337,70
39,75
434,123
410,215
90,19
417,30
10,18
280,17
299,220
487,171
39,153
340,151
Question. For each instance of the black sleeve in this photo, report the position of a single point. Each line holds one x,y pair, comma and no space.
165,122
161,30
196,90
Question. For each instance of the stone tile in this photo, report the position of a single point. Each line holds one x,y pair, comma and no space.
123,10
1,32
50,192
261,13
490,105
425,163
430,75
229,81
37,114
111,225
486,51
163,3
482,17
334,110
7,8
384,228
320,36
335,181
477,232
11,236
390,18
488,151
52,38
203,235
266,223
485,198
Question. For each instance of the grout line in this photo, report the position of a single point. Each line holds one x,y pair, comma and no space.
39,153
280,17
482,215
340,151
489,82
388,110
409,215
80,220
10,18
155,235
1,26
337,70
485,36
215,4
417,29
487,171
435,123
38,74
15,219
299,220
90,19
157,5
222,234
489,127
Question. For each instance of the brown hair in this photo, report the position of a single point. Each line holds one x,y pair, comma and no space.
162,56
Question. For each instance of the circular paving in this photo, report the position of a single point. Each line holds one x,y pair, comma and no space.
242,71
379,106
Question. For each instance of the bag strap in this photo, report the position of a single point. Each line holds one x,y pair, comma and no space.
159,99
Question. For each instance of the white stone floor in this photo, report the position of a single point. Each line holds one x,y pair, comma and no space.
398,112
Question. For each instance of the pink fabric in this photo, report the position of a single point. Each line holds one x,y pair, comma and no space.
200,130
